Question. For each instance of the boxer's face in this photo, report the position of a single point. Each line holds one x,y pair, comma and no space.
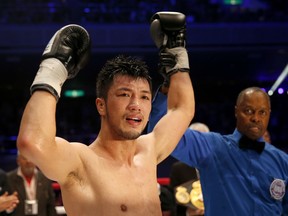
128,106
252,114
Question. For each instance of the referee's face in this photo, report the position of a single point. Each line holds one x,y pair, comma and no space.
252,114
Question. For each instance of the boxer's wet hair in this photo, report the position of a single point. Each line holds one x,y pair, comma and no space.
121,65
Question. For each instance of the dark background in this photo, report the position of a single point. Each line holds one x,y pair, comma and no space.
230,47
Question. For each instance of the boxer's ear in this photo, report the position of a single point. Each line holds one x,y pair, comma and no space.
100,105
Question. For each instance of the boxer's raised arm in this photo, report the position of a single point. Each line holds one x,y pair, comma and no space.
168,32
66,53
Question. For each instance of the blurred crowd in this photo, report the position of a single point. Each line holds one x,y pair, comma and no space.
216,111
139,11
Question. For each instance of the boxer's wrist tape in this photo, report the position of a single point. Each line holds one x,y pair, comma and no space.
50,77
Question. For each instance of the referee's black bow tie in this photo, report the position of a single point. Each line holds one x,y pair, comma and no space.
246,143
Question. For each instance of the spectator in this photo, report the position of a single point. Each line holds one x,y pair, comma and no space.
267,137
35,191
7,202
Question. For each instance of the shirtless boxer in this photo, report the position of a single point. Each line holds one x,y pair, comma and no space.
116,173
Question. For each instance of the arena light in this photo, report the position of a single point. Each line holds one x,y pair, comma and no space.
280,90
279,80
74,93
232,2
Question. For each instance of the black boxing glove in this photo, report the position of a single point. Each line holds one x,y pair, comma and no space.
168,32
168,29
65,55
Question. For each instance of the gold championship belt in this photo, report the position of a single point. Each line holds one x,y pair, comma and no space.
190,194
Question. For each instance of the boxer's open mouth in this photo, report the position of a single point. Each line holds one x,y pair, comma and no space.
134,119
